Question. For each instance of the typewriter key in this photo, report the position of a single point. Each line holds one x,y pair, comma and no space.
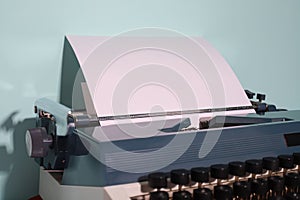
223,192
276,185
159,195
241,190
202,194
270,163
219,171
259,188
292,196
237,168
180,177
296,157
200,175
254,166
157,180
292,181
182,195
286,161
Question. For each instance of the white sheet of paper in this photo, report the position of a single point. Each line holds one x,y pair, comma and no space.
134,75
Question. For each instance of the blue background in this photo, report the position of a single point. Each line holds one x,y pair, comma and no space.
259,39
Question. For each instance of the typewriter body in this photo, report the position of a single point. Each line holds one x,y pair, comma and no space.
88,148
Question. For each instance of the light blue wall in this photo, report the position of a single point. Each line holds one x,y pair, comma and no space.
259,38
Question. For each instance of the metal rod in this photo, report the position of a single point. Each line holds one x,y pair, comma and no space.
172,113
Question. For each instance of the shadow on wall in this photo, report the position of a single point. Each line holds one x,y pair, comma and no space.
22,182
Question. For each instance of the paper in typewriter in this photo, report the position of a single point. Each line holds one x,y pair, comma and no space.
164,76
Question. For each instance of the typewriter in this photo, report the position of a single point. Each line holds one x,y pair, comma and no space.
166,119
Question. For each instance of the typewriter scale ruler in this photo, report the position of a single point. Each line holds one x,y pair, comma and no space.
174,113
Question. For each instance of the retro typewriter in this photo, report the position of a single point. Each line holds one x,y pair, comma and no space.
160,118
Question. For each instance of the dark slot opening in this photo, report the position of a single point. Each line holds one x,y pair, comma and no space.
229,121
292,139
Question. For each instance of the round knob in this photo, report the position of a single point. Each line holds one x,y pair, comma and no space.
286,161
157,180
261,107
296,158
270,163
237,168
223,192
259,186
38,142
260,97
200,174
219,171
254,166
180,177
182,195
292,196
249,94
292,180
202,194
241,189
276,183
271,108
159,195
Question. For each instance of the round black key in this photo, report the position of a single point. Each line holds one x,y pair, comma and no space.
219,171
200,174
159,195
286,161
202,194
223,192
292,196
182,195
296,158
237,168
180,177
157,180
254,166
241,189
259,186
276,183
270,163
292,180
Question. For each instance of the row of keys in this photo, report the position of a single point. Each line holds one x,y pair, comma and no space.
240,191
260,188
269,177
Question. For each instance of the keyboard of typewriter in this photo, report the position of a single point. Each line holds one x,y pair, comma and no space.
257,179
